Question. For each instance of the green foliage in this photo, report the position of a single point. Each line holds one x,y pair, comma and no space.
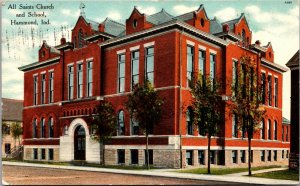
207,105
281,174
16,130
103,123
145,106
5,128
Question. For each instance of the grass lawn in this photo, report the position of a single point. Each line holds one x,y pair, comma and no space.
282,174
222,171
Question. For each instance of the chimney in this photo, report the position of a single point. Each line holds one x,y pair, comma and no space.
63,41
225,28
257,42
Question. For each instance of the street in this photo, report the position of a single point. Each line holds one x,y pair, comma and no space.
19,175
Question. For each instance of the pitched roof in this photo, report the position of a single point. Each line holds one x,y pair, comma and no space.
12,109
93,24
112,27
232,22
284,120
294,61
162,16
215,26
52,49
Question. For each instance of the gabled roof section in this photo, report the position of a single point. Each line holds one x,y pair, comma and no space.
79,18
12,109
269,45
190,15
215,26
201,7
286,121
135,10
162,16
112,27
94,24
294,61
52,49
232,22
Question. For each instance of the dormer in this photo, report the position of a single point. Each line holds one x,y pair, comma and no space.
269,54
138,22
83,27
47,52
241,28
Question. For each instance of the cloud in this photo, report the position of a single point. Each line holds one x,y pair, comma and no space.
182,9
69,12
114,15
147,10
226,14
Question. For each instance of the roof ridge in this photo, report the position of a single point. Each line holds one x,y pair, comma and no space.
109,19
17,100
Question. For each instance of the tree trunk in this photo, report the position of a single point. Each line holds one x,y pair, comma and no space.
147,150
103,154
208,154
249,155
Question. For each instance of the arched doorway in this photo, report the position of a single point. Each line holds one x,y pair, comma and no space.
79,143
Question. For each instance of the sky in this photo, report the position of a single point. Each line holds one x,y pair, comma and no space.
270,21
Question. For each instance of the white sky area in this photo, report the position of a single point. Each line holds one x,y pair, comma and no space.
270,21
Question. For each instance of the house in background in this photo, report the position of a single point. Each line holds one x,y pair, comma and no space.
11,113
103,61
293,64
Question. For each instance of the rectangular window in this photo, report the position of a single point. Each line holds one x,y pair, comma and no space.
234,76
201,62
150,157
134,156
275,155
90,78
287,154
79,81
121,156
150,65
262,155
43,88
70,82
269,129
262,129
50,151
35,90
263,87
275,130
212,66
269,155
282,134
35,154
234,156
201,157
212,157
189,157
7,148
134,127
243,156
51,87
282,154
276,92
134,68
270,90
43,154
190,65
6,129
121,73
234,126
287,134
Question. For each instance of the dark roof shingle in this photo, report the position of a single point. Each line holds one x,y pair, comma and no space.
12,109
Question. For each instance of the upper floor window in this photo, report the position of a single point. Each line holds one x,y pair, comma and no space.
190,65
70,82
90,78
270,89
34,128
189,121
212,67
79,80
201,62
282,134
35,90
135,23
134,127
80,39
121,73
263,87
287,134
275,130
43,88
150,65
244,38
269,129
121,125
234,76
134,68
234,126
51,87
276,92
43,128
262,129
51,127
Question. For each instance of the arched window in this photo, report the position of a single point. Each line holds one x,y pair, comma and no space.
244,38
42,127
134,23
189,121
121,125
51,127
262,129
34,128
80,39
275,130
269,129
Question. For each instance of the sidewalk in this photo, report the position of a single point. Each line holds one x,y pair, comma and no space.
237,178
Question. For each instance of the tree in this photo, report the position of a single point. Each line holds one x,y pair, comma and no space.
207,105
16,131
103,125
5,129
246,100
145,107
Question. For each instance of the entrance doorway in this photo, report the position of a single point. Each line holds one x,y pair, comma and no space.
79,143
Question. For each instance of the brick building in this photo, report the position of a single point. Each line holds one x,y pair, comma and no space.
103,61
293,64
